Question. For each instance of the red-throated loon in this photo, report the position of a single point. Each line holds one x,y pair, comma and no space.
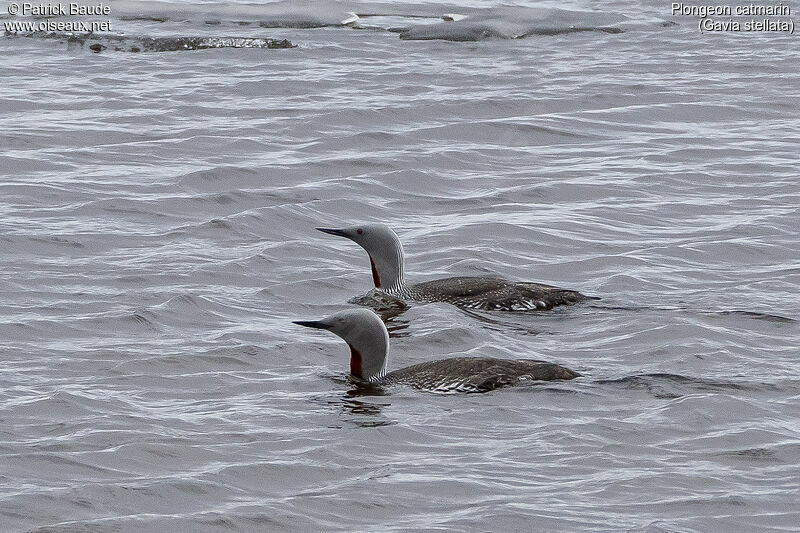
483,293
368,339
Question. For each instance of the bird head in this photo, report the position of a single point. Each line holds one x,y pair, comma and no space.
384,250
365,334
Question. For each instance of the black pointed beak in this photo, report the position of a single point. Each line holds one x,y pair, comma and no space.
332,231
310,324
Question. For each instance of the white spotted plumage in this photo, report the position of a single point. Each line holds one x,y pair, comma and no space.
368,339
476,293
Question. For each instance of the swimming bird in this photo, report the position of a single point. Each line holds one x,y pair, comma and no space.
368,340
481,293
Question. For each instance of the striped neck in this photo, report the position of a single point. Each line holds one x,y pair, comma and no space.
377,378
401,290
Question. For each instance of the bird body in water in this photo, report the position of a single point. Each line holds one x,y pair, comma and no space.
478,293
368,339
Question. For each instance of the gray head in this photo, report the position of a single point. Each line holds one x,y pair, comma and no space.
384,250
367,337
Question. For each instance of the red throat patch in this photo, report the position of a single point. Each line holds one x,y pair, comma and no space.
355,362
375,277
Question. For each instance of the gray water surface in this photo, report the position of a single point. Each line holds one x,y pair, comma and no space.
157,215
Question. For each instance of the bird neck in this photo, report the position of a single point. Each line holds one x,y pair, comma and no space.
368,357
387,270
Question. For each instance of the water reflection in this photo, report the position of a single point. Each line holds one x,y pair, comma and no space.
507,320
365,413
358,406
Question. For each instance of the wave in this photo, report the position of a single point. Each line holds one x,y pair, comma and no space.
754,315
410,22
670,386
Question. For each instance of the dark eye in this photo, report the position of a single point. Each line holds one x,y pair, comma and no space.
360,231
